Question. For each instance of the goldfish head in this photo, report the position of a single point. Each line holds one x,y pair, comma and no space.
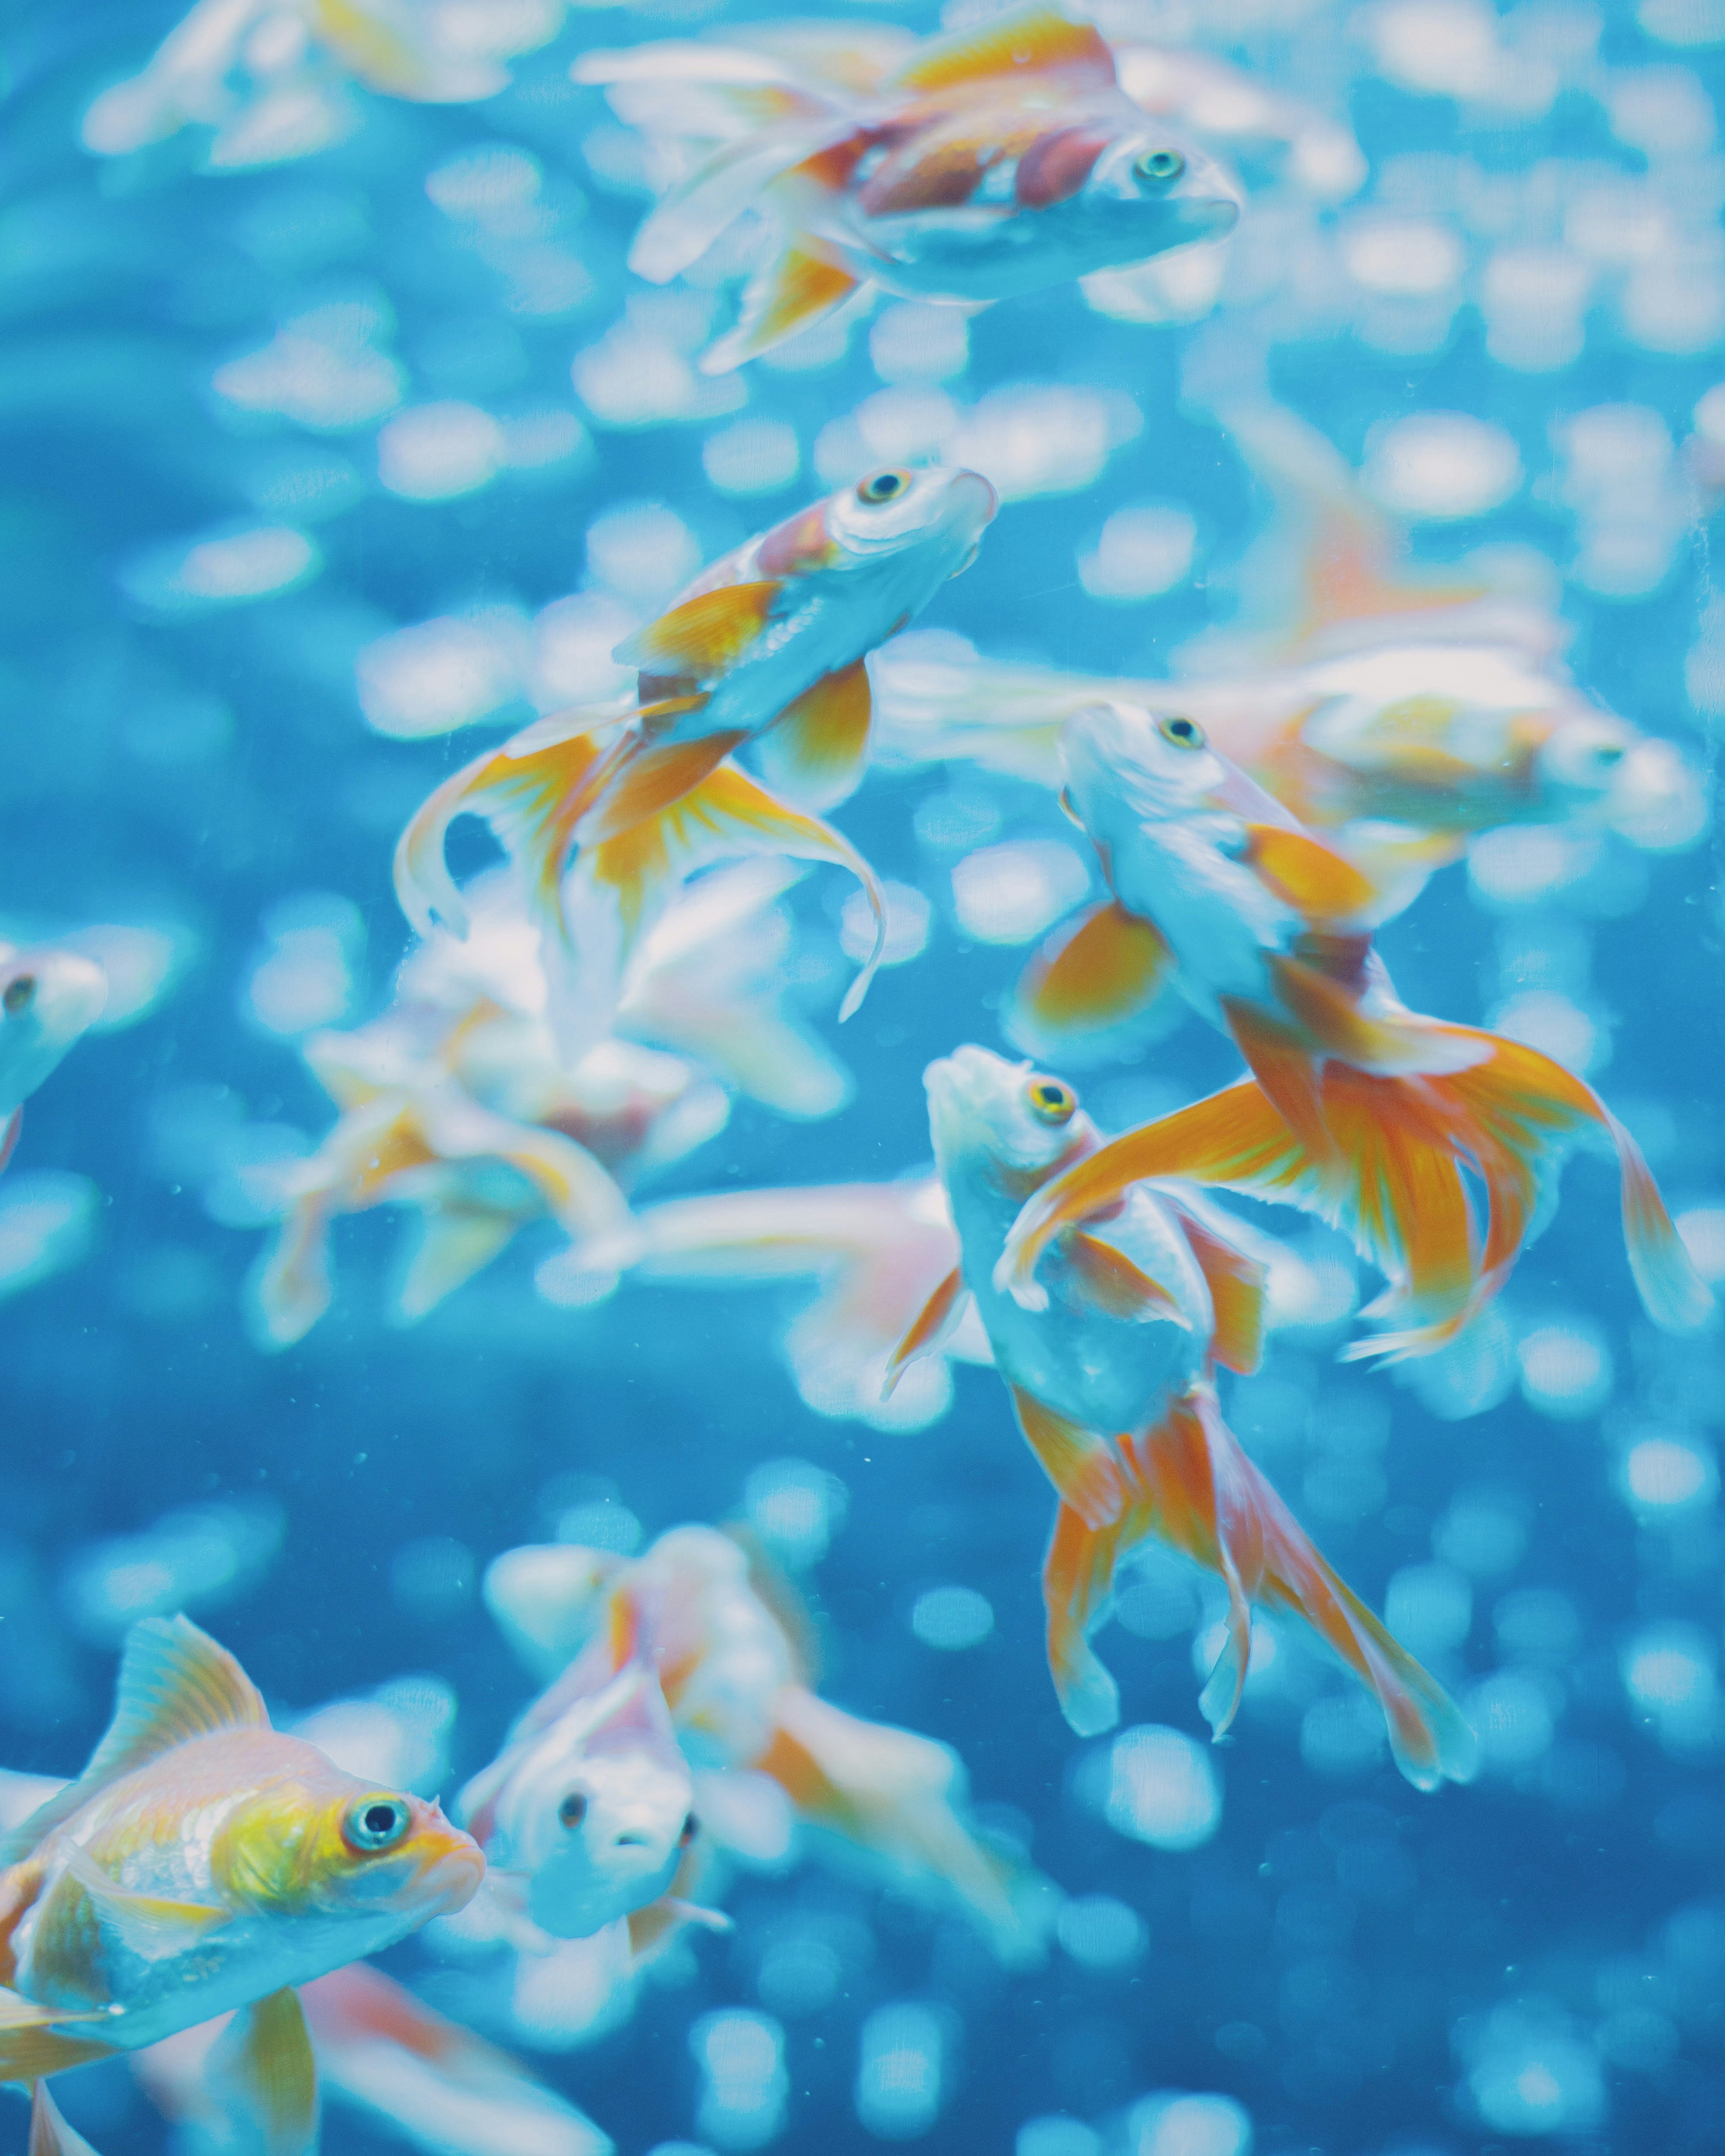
937,514
47,999
312,1842
597,1812
1158,764
1147,192
983,1110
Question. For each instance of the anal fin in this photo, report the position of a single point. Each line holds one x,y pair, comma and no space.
933,1324
793,292
1114,1284
1078,1463
50,2134
816,749
263,2064
1107,967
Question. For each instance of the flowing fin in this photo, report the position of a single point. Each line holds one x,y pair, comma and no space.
1077,1578
292,1290
1080,1464
50,2134
30,2044
1390,1044
1306,875
1035,41
149,1926
703,636
1238,1285
580,1196
933,1324
796,290
1287,1070
685,223
1108,966
175,1683
9,1130
653,778
453,1243
1113,1283
263,2066
817,749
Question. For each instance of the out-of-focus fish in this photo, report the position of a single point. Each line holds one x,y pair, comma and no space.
605,813
590,1806
999,160
204,1863
1111,1379
384,2053
874,1250
47,999
269,76
1360,1109
726,1639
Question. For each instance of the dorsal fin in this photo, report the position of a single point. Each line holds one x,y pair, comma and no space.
175,1683
1034,41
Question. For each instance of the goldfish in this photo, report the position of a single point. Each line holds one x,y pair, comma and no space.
590,1805
732,1651
605,811
386,2055
47,999
1111,1379
1357,1108
203,1863
999,160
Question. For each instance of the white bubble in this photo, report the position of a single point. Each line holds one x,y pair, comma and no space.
1099,1932
643,551
1554,1024
1668,1668
798,1975
1341,1736
1439,465
1010,893
1439,48
1430,1608
322,372
910,342
1662,1476
47,1224
1662,111
908,916
741,2058
1528,2075
1702,1229
1174,2125
192,1559
306,977
489,184
1162,1789
753,456
1042,438
546,436
226,568
795,1508
141,964
630,379
1519,867
1510,1715
899,2071
1056,2135
442,674
573,642
1141,553
1406,257
437,452
1535,300
1566,1370
952,1618
397,1736
1683,22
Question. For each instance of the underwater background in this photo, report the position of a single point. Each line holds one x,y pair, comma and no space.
213,730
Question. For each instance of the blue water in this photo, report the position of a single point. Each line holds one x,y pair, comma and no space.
1351,1962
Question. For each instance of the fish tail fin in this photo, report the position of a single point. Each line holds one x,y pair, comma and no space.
1077,1577
1214,1504
892,1792
801,285
686,220
291,1289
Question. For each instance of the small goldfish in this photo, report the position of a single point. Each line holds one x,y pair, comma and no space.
404,2068
204,1863
765,649
1002,160
47,999
1359,1108
590,1806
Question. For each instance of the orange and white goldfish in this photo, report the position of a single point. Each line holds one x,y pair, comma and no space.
730,1648
47,999
1358,1108
203,1863
1111,1379
605,813
384,2054
1001,160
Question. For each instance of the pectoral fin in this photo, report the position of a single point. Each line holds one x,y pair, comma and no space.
1115,1286
792,293
1080,1464
1306,875
817,748
262,2065
1238,1286
1109,967
704,635
1386,1044
933,1323
50,2134
149,1926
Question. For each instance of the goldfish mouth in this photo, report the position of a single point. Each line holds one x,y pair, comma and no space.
453,1872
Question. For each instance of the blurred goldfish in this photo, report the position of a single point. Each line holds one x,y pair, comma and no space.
47,999
203,1863
1358,1109
765,648
382,2052
999,161
1112,1381
730,1647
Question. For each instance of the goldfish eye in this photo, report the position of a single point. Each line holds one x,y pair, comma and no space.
1050,1101
20,993
1160,166
377,1823
882,486
1183,733
692,1827
573,1808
